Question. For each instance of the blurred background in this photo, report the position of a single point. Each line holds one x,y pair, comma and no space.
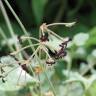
82,50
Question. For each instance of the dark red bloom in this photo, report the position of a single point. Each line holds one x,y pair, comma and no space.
44,37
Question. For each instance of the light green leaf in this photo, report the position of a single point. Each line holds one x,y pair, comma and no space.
92,40
92,90
72,89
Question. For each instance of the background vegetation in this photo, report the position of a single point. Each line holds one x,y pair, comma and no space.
81,51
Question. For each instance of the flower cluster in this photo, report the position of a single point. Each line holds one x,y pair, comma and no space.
47,49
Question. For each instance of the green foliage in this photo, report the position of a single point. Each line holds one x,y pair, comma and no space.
73,75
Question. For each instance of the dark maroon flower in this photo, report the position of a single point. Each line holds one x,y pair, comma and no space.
62,51
50,61
3,78
44,37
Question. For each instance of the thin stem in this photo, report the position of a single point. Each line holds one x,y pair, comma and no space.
60,11
51,85
16,52
5,65
5,38
40,92
25,78
69,68
66,24
40,88
50,31
25,54
19,22
39,33
25,37
7,20
16,17
35,52
19,78
31,69
22,49
46,52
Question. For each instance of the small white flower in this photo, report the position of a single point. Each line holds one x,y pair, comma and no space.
80,39
94,53
81,51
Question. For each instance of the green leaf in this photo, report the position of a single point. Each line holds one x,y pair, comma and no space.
92,40
92,90
73,89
